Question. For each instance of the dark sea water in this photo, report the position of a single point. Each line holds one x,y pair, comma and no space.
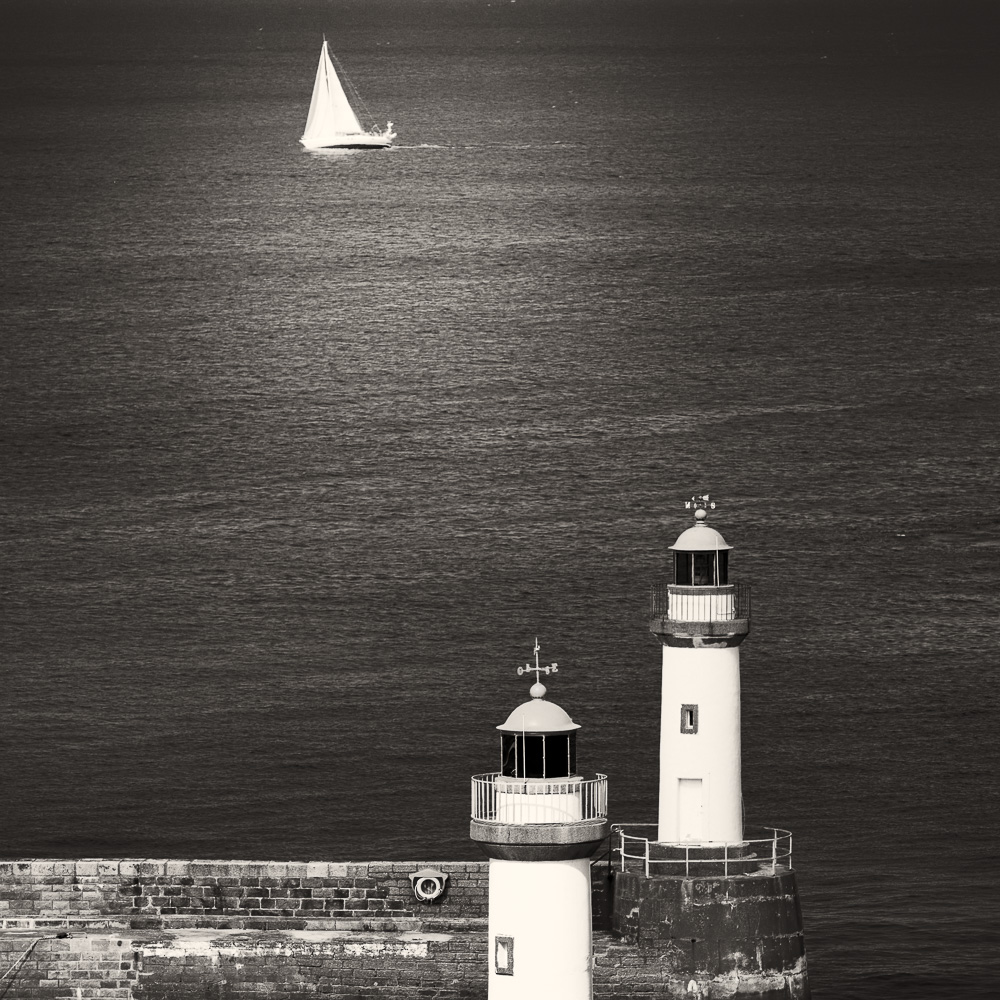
300,452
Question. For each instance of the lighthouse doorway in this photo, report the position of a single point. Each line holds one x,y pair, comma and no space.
690,810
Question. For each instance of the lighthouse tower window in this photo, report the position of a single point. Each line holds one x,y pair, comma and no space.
689,718
504,956
537,755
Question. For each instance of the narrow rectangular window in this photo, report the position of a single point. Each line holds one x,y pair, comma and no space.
503,955
689,718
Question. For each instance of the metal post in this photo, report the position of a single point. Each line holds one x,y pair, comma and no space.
621,848
726,860
687,861
774,851
647,857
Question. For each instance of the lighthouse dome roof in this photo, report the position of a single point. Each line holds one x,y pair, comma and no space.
538,716
699,538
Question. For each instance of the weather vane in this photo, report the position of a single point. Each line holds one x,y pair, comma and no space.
701,501
551,668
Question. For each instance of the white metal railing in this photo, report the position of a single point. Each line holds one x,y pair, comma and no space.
730,602
657,858
499,799
693,607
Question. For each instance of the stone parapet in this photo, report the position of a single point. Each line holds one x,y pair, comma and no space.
248,895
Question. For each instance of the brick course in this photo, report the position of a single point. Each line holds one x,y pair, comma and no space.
234,895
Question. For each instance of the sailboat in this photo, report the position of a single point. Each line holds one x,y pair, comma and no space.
332,123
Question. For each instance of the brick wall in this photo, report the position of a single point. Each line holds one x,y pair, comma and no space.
239,965
150,929
159,929
146,894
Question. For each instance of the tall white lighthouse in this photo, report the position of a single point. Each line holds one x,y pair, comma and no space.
716,896
701,619
539,822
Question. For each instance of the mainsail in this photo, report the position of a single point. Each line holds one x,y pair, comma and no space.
330,113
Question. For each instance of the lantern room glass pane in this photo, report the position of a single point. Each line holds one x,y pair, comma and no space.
509,755
522,755
560,755
537,755
534,756
704,569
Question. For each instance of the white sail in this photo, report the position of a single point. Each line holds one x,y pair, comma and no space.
330,114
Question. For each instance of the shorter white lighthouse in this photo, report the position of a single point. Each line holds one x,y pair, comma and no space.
539,822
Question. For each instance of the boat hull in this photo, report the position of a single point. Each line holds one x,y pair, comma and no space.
360,140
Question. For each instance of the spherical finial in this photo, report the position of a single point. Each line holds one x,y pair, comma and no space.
700,515
537,690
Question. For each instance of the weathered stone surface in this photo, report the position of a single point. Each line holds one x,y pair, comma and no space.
746,928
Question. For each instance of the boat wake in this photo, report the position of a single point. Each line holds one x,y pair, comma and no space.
487,145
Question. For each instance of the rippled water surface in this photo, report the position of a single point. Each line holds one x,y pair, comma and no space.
301,452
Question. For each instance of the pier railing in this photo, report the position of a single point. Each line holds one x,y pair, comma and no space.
764,849
498,799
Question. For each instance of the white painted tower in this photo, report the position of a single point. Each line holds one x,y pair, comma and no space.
539,822
701,619
720,899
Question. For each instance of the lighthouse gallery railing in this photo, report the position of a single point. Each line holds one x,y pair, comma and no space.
498,799
675,602
770,849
